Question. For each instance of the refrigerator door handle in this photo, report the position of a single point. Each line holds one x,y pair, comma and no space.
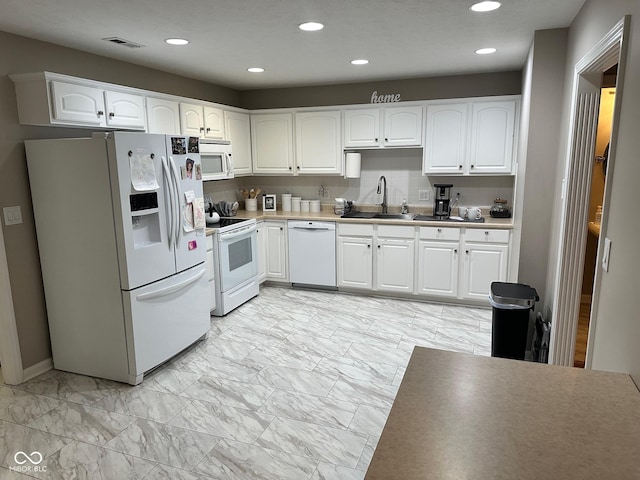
176,200
163,292
168,200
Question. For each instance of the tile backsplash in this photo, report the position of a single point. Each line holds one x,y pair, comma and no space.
401,167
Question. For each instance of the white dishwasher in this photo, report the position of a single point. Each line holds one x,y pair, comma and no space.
312,253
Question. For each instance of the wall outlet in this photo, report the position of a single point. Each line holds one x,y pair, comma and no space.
423,195
12,215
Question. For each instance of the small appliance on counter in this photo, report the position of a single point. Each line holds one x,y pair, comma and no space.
442,204
342,206
499,209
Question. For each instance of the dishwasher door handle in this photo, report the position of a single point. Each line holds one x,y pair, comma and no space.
311,228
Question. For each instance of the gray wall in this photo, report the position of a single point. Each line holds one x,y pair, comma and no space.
616,327
22,55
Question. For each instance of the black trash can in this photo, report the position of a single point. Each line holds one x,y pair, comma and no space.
512,304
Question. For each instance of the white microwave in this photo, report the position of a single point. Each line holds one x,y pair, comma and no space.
216,161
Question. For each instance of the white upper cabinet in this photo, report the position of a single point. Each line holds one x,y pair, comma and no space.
400,126
492,134
163,116
202,121
446,134
125,110
318,142
272,142
238,128
470,138
77,104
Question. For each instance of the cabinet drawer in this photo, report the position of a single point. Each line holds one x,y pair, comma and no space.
396,231
486,235
439,233
355,230
209,242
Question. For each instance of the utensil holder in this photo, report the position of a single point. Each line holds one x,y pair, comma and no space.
251,204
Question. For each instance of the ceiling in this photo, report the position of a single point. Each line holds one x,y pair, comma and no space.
400,38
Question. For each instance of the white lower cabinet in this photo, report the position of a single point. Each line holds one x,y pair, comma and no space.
485,260
438,261
211,273
262,252
395,253
355,256
276,261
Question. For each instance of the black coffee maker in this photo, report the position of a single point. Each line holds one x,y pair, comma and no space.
442,204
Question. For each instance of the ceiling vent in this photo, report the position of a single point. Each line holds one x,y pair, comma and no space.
123,42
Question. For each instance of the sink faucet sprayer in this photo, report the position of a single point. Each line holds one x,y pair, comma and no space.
384,195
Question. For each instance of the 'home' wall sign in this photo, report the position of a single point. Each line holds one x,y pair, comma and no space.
388,98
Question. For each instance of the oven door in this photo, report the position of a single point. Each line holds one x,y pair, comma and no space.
237,254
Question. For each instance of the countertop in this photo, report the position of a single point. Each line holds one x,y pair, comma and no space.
460,416
328,215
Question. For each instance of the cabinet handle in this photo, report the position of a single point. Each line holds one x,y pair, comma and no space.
459,167
111,114
455,250
100,113
281,228
378,246
471,166
376,139
386,139
208,130
368,246
439,230
289,168
467,252
486,232
298,167
202,129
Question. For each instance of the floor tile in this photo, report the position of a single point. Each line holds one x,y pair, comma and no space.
228,392
377,354
327,471
295,380
89,425
369,420
367,453
164,472
167,380
73,388
381,339
357,369
225,348
203,364
364,393
18,438
222,421
142,403
163,443
285,357
18,406
231,460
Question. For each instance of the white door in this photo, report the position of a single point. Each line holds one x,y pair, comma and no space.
403,126
492,132
191,120
78,104
362,127
483,264
142,217
446,143
213,123
125,110
165,317
272,141
163,116
211,273
276,246
394,265
262,252
238,129
318,142
438,264
355,260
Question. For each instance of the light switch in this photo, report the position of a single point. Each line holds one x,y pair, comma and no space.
606,252
12,215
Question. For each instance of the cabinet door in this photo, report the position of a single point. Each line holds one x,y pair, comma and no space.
493,127
163,116
262,252
125,110
272,141
77,104
276,246
483,264
318,145
191,120
446,143
211,274
403,126
355,261
362,127
394,265
438,264
213,123
238,129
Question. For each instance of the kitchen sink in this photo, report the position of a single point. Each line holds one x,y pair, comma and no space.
359,215
395,216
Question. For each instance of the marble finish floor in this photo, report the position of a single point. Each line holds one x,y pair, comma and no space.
294,385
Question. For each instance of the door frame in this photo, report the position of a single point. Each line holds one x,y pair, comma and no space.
610,50
10,356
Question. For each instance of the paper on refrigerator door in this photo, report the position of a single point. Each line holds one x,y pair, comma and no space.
143,173
198,213
187,218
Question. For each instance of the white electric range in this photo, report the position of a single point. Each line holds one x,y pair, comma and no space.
235,263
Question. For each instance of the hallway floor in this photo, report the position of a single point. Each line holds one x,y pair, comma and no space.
293,385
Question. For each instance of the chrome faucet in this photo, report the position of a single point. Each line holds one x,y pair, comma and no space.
384,194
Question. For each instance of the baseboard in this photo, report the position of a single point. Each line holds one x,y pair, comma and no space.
585,298
38,369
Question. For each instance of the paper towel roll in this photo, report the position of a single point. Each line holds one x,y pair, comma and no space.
352,165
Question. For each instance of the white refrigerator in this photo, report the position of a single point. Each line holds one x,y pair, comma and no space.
120,226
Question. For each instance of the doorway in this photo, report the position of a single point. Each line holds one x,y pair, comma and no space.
596,197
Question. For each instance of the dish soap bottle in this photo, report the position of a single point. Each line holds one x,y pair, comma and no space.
405,207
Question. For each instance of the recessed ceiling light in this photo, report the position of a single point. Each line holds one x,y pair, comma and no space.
177,41
485,51
360,61
255,69
486,6
311,26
